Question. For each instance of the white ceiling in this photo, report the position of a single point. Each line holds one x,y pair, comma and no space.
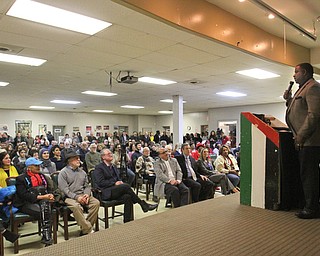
146,47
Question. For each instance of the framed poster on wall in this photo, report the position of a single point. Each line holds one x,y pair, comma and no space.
23,126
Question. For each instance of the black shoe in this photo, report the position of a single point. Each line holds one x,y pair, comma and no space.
308,214
10,236
148,207
155,199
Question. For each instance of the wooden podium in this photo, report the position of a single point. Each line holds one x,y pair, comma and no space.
269,164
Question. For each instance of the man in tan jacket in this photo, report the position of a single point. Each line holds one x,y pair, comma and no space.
303,118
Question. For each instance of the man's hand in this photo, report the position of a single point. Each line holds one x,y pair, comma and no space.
119,182
84,199
287,94
203,177
173,182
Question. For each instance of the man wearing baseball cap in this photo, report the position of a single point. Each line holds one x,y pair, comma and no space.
34,195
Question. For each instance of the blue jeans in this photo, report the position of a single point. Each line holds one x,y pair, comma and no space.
235,179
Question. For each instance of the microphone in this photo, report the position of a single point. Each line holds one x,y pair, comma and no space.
290,86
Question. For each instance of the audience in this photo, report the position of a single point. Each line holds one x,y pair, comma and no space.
171,177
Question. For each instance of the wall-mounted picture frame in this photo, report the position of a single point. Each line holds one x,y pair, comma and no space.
23,126
106,127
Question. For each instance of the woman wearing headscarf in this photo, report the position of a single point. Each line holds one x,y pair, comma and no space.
47,167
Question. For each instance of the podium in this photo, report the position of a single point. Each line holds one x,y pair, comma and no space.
269,167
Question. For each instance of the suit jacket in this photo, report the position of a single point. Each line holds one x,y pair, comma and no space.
303,114
162,174
182,162
105,178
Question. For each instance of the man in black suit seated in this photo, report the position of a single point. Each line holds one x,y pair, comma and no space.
108,180
201,187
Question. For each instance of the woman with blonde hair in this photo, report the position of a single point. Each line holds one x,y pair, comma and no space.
206,168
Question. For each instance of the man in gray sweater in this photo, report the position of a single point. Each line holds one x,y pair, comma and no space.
73,182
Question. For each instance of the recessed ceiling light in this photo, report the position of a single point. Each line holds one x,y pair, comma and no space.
231,94
170,101
41,107
271,16
21,60
49,15
165,112
97,93
3,83
102,111
65,101
152,80
257,73
130,106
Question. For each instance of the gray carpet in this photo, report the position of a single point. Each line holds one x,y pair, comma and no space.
219,226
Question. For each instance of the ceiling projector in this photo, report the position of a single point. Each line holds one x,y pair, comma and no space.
129,79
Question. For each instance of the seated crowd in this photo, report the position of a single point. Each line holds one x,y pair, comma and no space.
183,173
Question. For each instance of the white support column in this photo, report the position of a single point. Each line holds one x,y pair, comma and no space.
177,108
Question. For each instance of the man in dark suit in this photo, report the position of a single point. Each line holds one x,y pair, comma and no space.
303,118
200,186
107,179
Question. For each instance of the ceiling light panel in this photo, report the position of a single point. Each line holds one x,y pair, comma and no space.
165,112
102,111
41,107
131,106
21,60
170,101
49,15
231,94
257,73
98,93
65,102
152,80
3,83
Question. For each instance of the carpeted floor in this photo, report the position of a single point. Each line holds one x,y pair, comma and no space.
215,227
